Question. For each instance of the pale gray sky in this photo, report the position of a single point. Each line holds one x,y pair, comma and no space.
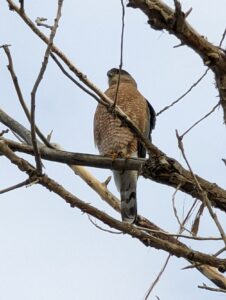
51,251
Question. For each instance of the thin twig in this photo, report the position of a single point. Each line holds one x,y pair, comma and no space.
211,289
200,120
16,186
37,83
182,96
178,235
223,37
224,161
181,229
18,137
21,5
105,230
189,214
56,60
121,53
15,81
4,131
179,45
196,221
39,21
219,251
174,206
176,214
20,95
193,266
188,12
157,278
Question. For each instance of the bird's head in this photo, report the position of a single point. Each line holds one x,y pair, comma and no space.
125,77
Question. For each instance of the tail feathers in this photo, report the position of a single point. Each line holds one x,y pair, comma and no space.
126,182
129,206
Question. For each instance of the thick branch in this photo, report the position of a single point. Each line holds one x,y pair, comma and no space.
145,238
161,169
15,127
148,226
80,159
160,16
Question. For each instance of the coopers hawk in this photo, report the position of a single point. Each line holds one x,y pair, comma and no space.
115,140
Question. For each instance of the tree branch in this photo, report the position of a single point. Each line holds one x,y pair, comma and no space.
161,16
162,169
184,94
73,200
16,127
37,83
16,186
19,93
202,192
147,239
107,196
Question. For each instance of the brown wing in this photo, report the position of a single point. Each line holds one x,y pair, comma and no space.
150,125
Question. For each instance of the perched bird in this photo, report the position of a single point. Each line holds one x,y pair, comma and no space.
114,139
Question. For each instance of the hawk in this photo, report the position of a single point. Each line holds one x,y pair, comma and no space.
114,139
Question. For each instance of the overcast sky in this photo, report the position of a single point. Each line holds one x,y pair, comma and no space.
49,250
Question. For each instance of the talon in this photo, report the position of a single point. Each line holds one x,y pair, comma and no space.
114,155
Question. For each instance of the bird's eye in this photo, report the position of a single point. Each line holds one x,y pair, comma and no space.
109,74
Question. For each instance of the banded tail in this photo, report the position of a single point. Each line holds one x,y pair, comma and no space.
126,182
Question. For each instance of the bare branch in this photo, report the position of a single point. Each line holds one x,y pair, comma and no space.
4,132
211,289
145,238
37,83
159,157
202,192
121,53
114,202
174,206
102,229
15,127
16,186
143,223
185,94
200,120
172,173
224,161
220,251
97,186
39,21
178,235
196,222
79,158
223,37
74,80
157,278
161,16
19,93
205,269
